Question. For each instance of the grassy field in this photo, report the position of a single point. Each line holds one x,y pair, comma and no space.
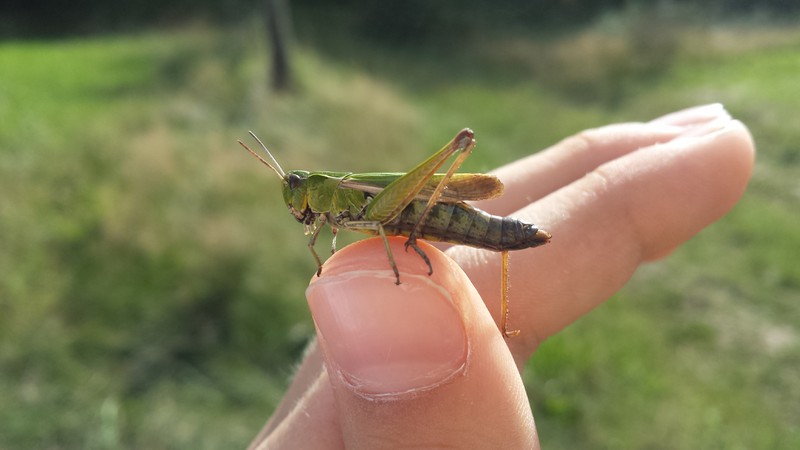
151,282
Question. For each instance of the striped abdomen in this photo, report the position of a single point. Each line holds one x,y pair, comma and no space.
460,223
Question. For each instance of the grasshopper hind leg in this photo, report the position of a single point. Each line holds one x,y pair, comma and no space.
413,244
504,298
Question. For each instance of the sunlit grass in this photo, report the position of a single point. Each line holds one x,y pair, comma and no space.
152,282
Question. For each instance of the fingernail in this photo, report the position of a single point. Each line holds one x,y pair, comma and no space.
708,130
386,340
697,115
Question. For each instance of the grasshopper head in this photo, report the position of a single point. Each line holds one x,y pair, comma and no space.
295,194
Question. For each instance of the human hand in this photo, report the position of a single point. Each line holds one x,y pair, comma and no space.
424,365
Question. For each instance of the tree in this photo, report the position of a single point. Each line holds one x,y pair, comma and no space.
278,29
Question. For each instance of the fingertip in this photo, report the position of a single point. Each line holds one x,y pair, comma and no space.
694,115
724,158
382,339
371,254
418,363
744,147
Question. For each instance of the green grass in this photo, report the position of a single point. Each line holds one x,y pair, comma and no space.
146,300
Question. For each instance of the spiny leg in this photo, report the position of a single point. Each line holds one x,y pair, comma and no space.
392,200
389,253
335,231
504,298
313,241
464,149
376,226
413,244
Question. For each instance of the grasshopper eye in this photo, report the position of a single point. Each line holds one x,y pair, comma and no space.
294,180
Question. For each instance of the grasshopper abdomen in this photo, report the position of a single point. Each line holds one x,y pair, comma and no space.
460,223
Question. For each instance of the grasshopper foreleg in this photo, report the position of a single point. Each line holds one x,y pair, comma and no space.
313,241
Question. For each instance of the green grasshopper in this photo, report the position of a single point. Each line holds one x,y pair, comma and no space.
418,204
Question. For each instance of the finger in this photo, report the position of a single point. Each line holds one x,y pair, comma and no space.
304,378
312,422
536,176
421,364
694,116
632,209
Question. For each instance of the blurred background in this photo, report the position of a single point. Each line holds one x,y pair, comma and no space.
152,283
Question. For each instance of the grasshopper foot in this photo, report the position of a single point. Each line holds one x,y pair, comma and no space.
510,333
413,244
396,274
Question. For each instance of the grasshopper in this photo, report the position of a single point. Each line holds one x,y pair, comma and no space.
420,204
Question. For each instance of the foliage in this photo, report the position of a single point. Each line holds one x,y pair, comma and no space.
151,281
395,23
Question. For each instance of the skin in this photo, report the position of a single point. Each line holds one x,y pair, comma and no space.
423,365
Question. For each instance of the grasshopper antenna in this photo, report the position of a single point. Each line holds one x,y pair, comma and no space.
276,168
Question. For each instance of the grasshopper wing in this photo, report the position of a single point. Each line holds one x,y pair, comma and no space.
466,186
461,187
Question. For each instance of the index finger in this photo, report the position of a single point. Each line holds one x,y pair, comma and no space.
532,178
631,209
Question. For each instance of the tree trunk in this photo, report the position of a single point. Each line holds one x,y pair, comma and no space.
278,29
